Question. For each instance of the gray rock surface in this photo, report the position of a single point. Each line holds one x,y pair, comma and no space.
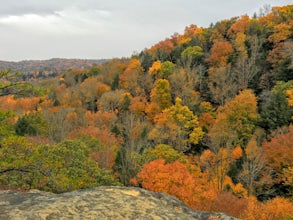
98,203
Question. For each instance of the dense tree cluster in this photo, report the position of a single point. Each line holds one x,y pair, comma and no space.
205,116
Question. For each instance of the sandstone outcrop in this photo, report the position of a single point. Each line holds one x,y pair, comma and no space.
98,203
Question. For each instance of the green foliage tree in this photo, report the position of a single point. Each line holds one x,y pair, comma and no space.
71,168
11,83
145,59
94,71
24,127
16,162
31,124
165,152
58,168
191,56
134,131
235,121
6,126
167,69
275,112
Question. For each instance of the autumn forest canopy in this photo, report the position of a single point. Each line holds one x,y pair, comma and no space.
205,116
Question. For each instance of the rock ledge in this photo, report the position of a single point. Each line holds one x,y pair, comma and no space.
98,203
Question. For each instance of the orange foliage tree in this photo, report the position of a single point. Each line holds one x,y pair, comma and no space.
130,77
173,178
162,49
281,32
20,105
100,119
138,105
220,52
156,69
289,94
277,208
217,165
240,26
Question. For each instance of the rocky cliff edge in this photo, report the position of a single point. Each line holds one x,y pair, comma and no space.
98,203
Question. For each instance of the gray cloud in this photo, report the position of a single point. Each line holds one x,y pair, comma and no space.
21,7
36,29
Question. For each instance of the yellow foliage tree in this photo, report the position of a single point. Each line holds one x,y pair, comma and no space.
177,126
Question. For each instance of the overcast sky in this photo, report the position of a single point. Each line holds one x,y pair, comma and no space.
94,29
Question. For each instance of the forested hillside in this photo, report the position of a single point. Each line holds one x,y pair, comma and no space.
32,69
205,116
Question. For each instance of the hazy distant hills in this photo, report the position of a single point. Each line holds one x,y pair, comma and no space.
52,67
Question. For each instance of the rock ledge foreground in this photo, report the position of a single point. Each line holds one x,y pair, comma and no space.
98,203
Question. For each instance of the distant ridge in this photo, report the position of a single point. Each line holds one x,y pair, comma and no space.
49,67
